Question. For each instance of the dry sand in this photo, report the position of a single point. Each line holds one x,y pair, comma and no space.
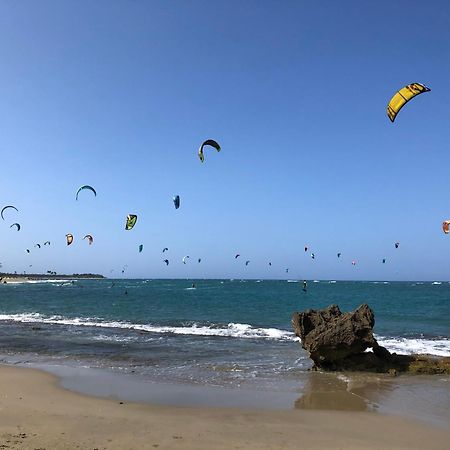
35,413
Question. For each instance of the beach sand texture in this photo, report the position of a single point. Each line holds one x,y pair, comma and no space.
35,413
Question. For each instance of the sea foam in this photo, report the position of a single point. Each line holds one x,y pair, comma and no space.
233,330
438,347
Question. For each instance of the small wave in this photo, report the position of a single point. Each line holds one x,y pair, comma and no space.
332,281
292,281
39,281
436,282
403,346
233,330
344,378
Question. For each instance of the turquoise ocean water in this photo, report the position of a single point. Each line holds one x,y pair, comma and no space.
222,333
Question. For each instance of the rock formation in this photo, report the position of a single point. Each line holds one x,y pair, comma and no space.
338,341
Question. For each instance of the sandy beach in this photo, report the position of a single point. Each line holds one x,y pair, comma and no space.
36,413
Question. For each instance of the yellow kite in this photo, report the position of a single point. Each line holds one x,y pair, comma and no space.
131,221
401,97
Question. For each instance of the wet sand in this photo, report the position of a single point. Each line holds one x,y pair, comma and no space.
35,412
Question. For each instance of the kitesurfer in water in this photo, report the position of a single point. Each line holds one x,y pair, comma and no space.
193,285
305,286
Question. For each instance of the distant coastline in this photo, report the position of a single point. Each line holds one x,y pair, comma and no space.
23,278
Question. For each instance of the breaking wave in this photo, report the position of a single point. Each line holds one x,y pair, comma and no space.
232,330
439,347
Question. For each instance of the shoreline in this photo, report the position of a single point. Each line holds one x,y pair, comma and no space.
31,280
327,391
36,412
12,278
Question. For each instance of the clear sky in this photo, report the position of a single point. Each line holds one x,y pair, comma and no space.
120,94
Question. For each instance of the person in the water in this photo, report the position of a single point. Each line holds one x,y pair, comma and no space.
305,286
193,285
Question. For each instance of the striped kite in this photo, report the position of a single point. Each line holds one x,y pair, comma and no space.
131,221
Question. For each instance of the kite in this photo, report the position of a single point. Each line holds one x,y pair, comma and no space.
397,244
384,260
166,261
89,238
69,238
401,97
176,201
237,256
131,221
199,260
287,270
209,142
15,225
47,243
313,256
306,248
38,245
446,226
28,250
270,263
184,259
165,249
246,262
90,188
141,247
339,255
5,208
353,263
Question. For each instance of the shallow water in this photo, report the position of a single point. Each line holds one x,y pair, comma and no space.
425,398
223,333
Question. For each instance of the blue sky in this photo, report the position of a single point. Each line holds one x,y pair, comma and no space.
120,94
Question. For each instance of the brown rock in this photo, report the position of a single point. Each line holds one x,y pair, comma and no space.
329,336
338,341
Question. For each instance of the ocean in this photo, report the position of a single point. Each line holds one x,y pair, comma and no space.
222,333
